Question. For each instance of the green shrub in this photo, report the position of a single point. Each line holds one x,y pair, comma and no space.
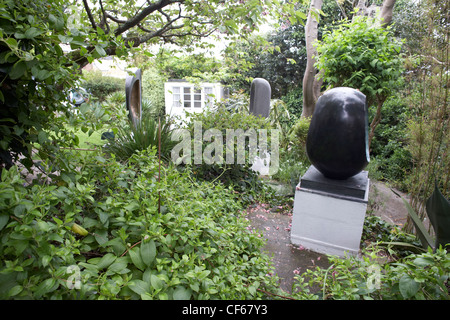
196,246
240,176
293,158
416,277
388,149
101,86
153,89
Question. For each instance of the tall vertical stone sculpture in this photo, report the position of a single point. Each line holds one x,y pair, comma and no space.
260,93
331,198
133,96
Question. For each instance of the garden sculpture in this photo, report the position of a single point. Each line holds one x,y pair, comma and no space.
133,88
260,92
337,141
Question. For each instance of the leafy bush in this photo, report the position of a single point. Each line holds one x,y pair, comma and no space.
361,55
102,86
293,158
99,233
416,277
36,77
153,89
240,176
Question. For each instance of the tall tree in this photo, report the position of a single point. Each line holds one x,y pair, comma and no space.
113,27
311,83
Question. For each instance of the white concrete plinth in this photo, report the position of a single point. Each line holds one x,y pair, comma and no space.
328,223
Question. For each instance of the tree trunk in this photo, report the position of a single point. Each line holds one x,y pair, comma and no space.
311,86
376,120
386,12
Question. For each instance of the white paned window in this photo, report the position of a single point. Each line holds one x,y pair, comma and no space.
208,96
187,97
176,96
197,98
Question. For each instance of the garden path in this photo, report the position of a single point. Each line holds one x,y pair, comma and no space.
290,260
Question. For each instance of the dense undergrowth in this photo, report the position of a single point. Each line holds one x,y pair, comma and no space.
136,236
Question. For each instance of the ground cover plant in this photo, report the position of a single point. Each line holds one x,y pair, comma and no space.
117,231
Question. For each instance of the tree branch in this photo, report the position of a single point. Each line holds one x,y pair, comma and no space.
142,15
104,20
89,13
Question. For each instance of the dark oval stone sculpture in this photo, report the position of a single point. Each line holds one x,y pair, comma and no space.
260,92
337,141
133,88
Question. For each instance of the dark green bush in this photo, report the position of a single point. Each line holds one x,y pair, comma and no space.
240,176
388,148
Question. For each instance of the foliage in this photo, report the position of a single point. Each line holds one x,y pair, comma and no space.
294,101
240,176
183,23
361,56
299,134
416,277
388,150
280,59
146,134
35,77
388,239
438,212
293,158
196,247
428,131
101,86
153,90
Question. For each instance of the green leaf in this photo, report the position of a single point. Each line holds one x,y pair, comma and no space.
422,233
156,282
45,287
204,274
138,286
119,267
42,137
106,261
408,287
11,42
148,252
438,210
136,259
18,70
14,291
423,261
101,236
32,33
181,293
3,220
100,50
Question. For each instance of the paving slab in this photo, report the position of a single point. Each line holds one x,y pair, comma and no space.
289,260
